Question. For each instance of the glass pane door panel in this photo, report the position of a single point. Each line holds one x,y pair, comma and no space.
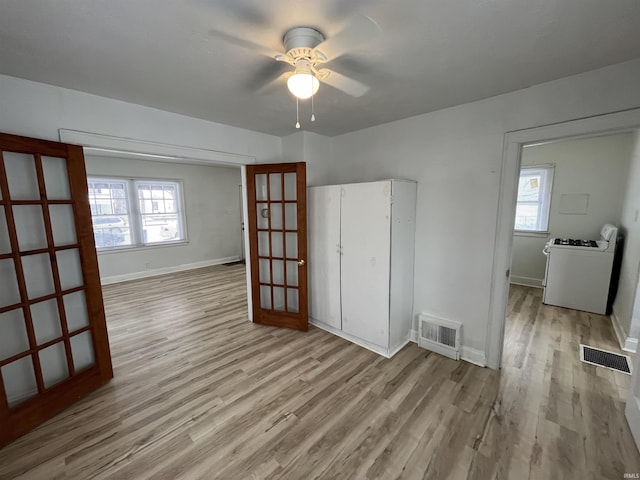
5,245
292,300
265,297
292,245
292,273
263,244
265,273
19,380
75,308
9,293
62,224
56,180
276,216
275,186
261,187
278,271
13,334
82,351
21,176
262,210
291,216
37,275
278,298
53,361
46,322
276,244
69,268
290,186
29,227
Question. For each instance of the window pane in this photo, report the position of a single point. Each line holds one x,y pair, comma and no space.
159,204
110,212
160,228
529,188
534,196
526,217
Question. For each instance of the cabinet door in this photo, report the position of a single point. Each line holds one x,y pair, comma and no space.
366,242
324,254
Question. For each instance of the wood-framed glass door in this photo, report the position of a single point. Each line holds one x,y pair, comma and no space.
53,337
277,213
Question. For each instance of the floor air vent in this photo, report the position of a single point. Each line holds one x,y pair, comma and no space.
603,358
439,335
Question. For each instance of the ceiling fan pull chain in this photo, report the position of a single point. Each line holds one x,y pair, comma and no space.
297,114
313,115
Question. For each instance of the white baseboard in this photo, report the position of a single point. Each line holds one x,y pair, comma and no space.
472,355
628,344
468,354
358,341
526,281
162,271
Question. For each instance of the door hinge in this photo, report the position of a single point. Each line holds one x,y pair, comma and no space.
508,272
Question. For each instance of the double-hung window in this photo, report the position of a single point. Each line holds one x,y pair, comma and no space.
534,199
135,212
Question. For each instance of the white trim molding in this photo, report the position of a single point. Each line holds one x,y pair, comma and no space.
107,145
509,174
527,281
163,271
473,355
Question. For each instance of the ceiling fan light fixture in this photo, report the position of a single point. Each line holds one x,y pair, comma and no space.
303,85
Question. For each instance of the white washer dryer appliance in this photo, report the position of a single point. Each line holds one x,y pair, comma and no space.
578,272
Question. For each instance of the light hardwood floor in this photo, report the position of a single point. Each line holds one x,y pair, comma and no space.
199,392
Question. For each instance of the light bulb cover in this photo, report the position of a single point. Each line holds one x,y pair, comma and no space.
303,85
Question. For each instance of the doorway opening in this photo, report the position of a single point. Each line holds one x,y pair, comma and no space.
514,143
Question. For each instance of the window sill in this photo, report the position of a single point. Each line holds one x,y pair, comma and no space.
526,233
135,248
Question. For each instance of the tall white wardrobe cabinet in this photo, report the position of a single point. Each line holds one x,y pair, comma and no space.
361,249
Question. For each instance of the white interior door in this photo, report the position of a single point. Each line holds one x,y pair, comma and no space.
365,229
324,254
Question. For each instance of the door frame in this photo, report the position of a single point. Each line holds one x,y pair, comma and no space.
510,171
98,144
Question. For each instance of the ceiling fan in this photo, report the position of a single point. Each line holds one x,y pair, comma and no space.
306,50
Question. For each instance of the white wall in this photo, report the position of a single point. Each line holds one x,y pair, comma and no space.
455,155
311,148
630,226
212,209
596,166
38,110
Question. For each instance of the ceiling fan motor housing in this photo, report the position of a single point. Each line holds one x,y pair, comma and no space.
299,42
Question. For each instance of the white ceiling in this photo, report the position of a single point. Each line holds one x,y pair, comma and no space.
430,54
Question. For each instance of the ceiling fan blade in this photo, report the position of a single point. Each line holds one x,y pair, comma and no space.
359,32
275,83
265,73
343,83
246,44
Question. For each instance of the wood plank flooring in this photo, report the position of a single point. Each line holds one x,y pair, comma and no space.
199,392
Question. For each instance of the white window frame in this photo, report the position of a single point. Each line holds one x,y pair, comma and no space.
136,227
544,198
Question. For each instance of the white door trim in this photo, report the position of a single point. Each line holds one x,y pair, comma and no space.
109,145
511,156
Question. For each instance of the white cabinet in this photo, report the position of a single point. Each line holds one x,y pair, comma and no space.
361,250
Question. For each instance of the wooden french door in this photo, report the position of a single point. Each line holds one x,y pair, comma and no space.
53,337
277,211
